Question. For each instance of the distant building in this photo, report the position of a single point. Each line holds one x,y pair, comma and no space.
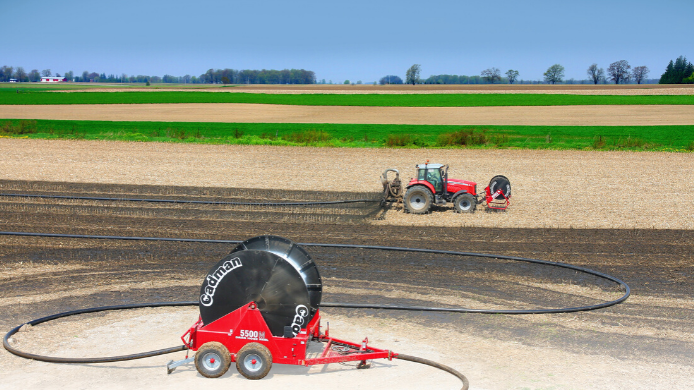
53,79
14,81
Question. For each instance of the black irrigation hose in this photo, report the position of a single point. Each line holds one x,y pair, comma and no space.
466,383
623,286
111,359
269,204
7,346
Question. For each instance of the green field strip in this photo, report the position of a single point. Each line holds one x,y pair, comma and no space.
35,96
658,138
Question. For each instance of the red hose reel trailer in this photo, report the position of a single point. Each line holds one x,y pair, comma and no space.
259,306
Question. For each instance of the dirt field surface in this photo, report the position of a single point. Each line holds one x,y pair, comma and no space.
268,113
644,343
551,189
629,89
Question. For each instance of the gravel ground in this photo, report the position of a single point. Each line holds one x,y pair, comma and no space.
551,189
639,115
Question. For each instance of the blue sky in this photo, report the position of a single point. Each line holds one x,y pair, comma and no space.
355,40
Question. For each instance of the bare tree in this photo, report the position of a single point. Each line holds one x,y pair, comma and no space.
512,76
34,75
595,74
554,74
20,74
640,73
46,73
619,71
491,75
412,74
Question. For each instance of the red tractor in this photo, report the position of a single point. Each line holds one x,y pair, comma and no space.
432,186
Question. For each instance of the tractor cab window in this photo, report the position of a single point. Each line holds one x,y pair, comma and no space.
433,176
422,174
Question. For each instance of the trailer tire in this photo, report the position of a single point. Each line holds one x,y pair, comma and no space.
212,360
254,361
464,203
418,200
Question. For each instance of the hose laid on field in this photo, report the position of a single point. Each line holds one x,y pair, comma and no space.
268,204
142,355
622,286
110,359
8,347
466,383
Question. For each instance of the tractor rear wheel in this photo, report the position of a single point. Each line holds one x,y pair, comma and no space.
254,361
212,360
418,200
464,203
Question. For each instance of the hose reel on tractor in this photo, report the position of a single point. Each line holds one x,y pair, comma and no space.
432,186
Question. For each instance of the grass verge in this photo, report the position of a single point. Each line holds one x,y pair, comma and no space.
658,138
26,96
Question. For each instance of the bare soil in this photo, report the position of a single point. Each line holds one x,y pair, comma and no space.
551,189
638,115
574,89
644,343
591,209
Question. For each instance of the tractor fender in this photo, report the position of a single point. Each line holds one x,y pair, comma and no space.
421,183
462,192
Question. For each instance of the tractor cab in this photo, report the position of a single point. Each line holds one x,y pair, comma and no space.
434,174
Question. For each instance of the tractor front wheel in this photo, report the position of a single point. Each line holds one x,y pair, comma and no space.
418,200
464,203
212,360
254,361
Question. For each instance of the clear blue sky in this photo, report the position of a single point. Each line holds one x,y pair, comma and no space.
355,40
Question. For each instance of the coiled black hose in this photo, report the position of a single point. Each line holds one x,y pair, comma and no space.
622,286
17,352
466,383
142,355
110,359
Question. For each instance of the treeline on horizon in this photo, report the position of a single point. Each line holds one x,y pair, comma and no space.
212,76
680,71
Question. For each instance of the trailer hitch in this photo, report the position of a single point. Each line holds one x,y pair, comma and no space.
171,366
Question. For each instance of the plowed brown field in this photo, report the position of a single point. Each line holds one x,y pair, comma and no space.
269,113
578,189
569,89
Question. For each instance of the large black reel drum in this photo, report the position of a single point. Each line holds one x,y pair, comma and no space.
296,256
271,271
502,183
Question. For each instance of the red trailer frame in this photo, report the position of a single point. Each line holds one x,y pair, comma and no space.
246,325
497,200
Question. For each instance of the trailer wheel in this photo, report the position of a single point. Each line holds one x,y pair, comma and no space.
254,361
212,360
418,200
464,203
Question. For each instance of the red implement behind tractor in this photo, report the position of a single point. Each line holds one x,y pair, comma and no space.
432,186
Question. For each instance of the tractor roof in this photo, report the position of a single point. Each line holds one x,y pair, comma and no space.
432,166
